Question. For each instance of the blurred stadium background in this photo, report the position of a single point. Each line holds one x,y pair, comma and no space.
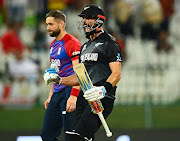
148,95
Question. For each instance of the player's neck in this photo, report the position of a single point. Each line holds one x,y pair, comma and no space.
61,35
97,34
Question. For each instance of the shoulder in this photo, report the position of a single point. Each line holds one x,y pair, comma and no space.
111,40
83,47
72,44
71,39
109,37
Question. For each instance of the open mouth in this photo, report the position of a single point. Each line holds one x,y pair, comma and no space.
87,28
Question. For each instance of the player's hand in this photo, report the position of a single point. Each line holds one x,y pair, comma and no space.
51,76
47,102
71,103
95,93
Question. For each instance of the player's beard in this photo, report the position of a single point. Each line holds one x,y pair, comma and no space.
55,33
89,30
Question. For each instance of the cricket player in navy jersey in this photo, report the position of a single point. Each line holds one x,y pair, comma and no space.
64,53
101,56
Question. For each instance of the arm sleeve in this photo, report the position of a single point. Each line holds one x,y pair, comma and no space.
113,52
73,50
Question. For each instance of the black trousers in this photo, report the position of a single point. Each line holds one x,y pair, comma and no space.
87,123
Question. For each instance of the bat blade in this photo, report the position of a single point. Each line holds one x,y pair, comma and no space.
86,83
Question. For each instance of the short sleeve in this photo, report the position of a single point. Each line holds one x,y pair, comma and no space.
73,49
113,52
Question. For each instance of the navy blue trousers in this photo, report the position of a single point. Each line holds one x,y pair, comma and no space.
54,120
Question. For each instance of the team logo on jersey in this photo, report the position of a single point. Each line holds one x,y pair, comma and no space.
89,57
84,48
97,44
118,57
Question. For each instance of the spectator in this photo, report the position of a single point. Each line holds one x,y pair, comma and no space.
23,68
168,11
11,41
123,15
16,11
152,14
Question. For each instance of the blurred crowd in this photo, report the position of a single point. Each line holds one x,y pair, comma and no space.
24,42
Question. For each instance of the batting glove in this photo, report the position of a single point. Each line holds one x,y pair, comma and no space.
51,76
55,66
95,93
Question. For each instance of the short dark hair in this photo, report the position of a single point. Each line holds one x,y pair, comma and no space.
57,14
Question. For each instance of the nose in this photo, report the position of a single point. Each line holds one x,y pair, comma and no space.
47,27
85,20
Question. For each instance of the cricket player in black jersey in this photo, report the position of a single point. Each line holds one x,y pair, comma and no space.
101,56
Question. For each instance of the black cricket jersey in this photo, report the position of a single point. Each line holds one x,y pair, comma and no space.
97,54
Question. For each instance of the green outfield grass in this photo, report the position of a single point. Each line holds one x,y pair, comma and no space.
123,117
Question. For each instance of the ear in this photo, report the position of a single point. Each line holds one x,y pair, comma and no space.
61,24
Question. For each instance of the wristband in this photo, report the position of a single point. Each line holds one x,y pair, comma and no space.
108,86
74,92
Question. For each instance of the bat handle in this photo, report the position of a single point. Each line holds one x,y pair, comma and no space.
108,132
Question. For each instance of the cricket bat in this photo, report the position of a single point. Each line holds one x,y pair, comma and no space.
85,83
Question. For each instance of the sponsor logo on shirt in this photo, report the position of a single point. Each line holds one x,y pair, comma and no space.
118,57
56,61
89,57
76,53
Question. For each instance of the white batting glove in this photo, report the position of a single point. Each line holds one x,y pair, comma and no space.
95,93
55,66
50,76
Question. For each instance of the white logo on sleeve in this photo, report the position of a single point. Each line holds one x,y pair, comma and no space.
97,44
75,53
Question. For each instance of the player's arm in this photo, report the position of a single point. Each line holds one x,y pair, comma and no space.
114,58
99,92
116,73
49,98
73,52
51,76
71,80
71,102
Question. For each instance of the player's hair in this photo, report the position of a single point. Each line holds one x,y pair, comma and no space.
57,14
